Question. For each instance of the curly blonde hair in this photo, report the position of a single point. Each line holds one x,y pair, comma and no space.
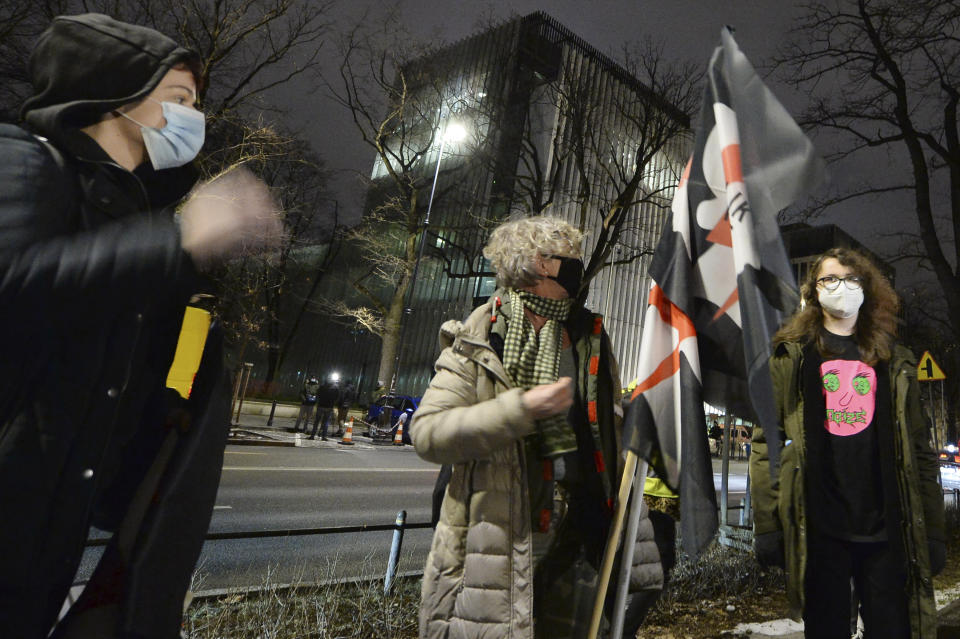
513,247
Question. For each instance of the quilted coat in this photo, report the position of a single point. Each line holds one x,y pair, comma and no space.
478,580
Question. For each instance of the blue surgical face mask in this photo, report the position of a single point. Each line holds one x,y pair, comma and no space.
179,141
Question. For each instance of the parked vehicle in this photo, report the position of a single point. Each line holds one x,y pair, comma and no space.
392,406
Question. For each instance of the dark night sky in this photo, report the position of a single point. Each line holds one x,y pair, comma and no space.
689,29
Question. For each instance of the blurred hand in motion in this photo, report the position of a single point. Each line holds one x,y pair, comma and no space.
231,215
547,400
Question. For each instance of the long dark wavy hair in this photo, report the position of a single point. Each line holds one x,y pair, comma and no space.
876,327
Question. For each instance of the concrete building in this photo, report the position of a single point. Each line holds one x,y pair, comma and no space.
805,243
553,126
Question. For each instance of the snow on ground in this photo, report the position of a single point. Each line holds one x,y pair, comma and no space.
775,628
947,596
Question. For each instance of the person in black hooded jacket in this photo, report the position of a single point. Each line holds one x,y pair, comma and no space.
94,276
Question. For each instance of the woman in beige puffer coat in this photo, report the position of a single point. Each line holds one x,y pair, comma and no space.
504,562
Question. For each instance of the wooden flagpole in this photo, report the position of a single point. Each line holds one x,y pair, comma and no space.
613,541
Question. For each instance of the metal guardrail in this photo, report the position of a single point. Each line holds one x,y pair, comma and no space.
291,532
956,496
398,528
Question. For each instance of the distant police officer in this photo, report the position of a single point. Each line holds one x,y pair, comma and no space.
308,400
327,399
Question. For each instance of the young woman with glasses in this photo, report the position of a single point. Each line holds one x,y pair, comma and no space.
857,497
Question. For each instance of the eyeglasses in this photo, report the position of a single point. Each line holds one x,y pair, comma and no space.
831,282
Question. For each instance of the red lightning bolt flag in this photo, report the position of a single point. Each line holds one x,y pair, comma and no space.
721,285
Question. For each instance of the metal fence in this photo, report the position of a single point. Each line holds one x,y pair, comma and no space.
294,532
398,527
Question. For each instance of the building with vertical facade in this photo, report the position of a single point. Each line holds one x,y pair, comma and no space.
805,243
553,126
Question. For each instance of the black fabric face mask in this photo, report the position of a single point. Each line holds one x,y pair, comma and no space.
570,275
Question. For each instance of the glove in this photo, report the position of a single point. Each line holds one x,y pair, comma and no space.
768,548
938,555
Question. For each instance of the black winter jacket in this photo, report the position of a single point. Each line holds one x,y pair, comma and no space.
93,284
92,296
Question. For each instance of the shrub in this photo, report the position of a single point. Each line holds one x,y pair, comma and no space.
721,572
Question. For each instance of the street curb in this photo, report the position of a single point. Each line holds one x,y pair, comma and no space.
282,436
244,437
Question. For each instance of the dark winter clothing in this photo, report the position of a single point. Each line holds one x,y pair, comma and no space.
321,422
768,548
327,398
308,401
308,394
879,575
328,395
73,88
347,397
782,506
93,283
844,484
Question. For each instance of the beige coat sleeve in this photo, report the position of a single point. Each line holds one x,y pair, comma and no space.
454,425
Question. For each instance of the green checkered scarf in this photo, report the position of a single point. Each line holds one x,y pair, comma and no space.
533,358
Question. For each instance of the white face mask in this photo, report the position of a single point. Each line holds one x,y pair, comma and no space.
179,141
842,302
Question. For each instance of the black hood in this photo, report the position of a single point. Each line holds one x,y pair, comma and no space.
86,65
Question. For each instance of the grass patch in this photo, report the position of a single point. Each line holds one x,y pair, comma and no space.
720,573
340,610
314,604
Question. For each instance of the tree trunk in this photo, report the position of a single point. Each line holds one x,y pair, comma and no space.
273,356
393,322
392,325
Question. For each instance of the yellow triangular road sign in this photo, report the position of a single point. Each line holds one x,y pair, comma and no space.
927,369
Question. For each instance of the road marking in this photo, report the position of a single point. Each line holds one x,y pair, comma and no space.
333,470
241,452
223,507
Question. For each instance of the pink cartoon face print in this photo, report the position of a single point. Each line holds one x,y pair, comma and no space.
849,389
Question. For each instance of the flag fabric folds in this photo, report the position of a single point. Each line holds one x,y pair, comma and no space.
721,284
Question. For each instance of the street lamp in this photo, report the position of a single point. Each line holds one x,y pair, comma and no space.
453,132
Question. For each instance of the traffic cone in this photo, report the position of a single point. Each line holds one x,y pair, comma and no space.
348,434
398,438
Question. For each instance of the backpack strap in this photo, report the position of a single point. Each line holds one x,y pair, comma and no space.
68,172
54,151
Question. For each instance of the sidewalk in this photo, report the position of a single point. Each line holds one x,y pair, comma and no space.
282,431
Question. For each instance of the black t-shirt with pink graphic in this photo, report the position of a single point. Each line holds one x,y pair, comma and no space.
845,401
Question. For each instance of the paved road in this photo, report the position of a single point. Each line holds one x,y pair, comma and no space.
264,488
950,478
269,488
